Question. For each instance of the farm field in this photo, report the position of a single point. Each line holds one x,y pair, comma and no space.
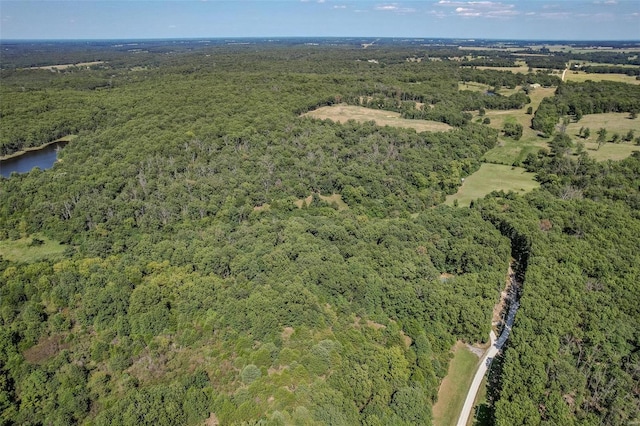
493,177
453,388
580,76
342,113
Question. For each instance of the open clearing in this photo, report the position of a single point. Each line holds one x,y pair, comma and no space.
329,199
473,86
342,113
21,250
454,386
510,151
614,122
581,76
65,66
610,151
493,177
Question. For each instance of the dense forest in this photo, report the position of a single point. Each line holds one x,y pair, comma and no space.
220,256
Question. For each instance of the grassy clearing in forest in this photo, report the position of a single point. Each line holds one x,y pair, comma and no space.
473,86
342,113
329,199
510,151
610,151
454,387
613,122
493,177
22,250
581,76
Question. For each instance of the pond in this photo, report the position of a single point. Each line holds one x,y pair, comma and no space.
42,158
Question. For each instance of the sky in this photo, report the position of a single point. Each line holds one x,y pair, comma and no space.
515,19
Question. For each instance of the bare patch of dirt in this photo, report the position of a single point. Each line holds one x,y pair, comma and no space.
287,332
212,420
407,340
303,201
264,207
46,348
477,351
375,325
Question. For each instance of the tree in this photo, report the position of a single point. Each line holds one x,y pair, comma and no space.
513,130
629,136
560,144
615,138
602,136
586,133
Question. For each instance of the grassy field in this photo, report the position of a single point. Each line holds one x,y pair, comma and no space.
614,122
508,150
610,151
342,113
493,177
581,76
454,387
473,86
21,250
330,199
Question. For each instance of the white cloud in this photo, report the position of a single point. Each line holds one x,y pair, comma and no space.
393,7
339,7
611,2
486,9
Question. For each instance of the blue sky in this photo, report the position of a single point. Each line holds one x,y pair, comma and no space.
515,19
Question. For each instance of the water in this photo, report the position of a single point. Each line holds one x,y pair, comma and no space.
43,158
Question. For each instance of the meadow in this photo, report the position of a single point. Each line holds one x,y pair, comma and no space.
342,113
31,249
453,389
492,177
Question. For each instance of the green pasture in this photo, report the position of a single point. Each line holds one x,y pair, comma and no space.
493,177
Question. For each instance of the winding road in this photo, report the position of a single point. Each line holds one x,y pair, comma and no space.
496,346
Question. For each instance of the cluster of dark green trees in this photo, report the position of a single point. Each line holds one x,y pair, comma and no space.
192,286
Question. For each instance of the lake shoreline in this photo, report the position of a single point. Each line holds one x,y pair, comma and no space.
64,139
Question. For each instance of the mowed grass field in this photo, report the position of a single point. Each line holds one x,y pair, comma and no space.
508,150
581,76
21,250
614,122
454,387
342,113
473,86
493,177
